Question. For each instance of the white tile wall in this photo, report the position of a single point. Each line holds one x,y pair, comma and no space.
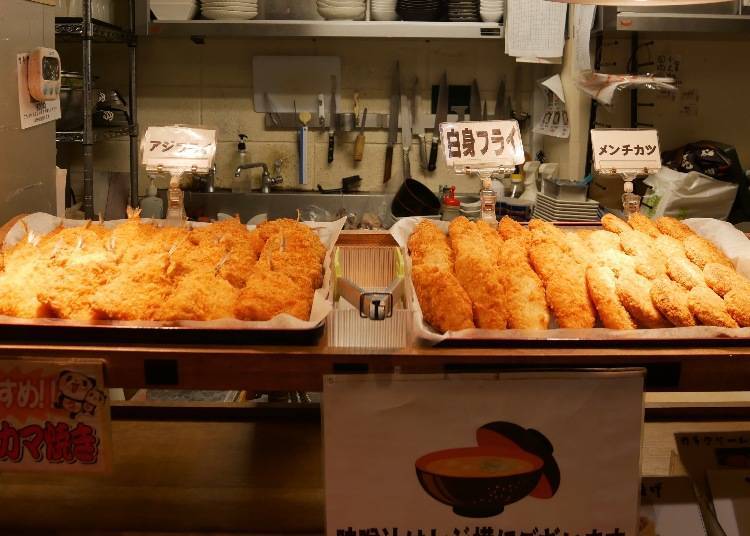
211,85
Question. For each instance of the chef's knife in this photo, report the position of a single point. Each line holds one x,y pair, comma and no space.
392,122
500,102
416,100
359,142
475,106
332,124
406,134
440,117
484,111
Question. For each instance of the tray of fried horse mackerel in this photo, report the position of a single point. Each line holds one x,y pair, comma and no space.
640,280
139,281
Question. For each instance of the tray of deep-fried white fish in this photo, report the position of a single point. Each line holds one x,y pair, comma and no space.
639,279
140,274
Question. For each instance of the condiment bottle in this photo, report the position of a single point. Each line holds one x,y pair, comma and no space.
451,205
151,205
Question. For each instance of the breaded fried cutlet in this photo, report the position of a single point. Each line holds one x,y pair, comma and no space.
429,245
492,241
702,252
600,240
722,279
510,228
641,223
612,223
649,262
673,227
601,283
671,300
709,308
617,261
199,296
634,292
669,247
684,272
737,302
268,294
524,291
445,304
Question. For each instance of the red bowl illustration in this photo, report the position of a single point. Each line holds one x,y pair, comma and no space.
479,481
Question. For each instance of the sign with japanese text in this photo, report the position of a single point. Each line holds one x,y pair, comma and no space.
179,148
33,113
511,454
669,506
629,151
482,144
54,416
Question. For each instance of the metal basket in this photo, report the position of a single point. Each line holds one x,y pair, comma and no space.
374,269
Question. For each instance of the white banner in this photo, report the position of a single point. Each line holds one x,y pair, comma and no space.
626,151
482,144
545,453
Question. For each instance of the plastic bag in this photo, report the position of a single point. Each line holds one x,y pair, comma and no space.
602,87
687,195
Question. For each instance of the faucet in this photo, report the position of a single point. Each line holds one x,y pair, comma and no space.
267,182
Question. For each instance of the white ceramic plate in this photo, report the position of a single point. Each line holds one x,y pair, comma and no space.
349,13
215,14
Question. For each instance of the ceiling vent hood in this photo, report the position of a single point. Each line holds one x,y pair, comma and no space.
722,17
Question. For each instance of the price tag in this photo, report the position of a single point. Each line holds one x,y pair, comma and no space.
54,417
628,151
482,144
483,454
179,148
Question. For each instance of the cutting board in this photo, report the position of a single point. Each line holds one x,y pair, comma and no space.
289,78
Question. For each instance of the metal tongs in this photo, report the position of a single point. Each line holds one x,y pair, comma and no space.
373,304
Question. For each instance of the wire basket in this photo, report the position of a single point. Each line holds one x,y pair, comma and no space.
373,268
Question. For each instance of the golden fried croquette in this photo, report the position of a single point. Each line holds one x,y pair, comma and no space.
669,247
722,279
199,296
671,300
545,231
634,292
565,285
600,240
701,252
524,291
479,275
601,283
737,302
510,228
491,240
445,304
684,272
579,249
649,262
615,260
612,223
709,308
429,245
641,223
673,227
268,294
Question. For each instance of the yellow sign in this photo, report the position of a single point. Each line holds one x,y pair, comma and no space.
54,416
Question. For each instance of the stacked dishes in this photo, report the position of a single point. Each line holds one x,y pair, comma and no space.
553,209
492,10
342,9
463,10
419,10
383,10
229,9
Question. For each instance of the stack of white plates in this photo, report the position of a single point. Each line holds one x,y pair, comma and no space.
552,209
383,10
491,10
342,9
229,9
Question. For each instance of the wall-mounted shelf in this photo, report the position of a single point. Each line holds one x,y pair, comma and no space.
71,29
100,134
312,29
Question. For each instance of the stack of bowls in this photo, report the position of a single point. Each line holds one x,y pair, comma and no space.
463,10
471,207
420,10
492,10
229,9
342,9
383,10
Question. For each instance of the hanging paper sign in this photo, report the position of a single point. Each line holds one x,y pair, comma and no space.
179,148
54,417
628,151
483,454
482,144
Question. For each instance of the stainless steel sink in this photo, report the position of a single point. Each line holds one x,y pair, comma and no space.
282,204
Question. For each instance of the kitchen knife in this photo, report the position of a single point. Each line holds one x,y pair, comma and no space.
440,117
392,122
332,124
406,134
416,101
484,111
359,141
500,102
475,105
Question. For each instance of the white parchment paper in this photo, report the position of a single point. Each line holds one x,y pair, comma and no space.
731,241
328,232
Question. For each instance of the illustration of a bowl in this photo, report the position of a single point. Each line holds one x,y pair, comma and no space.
479,481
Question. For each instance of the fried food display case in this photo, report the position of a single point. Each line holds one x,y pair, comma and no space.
239,443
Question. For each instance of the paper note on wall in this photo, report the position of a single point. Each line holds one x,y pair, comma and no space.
583,20
535,28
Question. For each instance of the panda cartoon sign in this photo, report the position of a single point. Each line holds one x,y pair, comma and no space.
53,416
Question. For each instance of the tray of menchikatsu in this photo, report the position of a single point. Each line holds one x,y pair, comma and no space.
140,281
642,280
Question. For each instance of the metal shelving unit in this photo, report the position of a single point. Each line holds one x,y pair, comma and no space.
87,31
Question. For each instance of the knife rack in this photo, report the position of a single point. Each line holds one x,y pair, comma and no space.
345,122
